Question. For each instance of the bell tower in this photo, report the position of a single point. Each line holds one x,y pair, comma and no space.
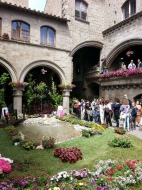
23,3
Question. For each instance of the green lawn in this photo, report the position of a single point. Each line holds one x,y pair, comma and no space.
94,149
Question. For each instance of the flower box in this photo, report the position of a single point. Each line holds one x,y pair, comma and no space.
18,84
66,86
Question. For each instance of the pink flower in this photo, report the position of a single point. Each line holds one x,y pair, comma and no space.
5,166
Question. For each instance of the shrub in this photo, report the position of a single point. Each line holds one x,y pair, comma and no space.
10,129
48,143
120,131
120,142
28,144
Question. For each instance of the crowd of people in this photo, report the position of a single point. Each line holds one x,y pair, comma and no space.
123,66
107,111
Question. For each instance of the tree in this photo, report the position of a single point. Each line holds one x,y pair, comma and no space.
41,92
30,93
3,80
55,96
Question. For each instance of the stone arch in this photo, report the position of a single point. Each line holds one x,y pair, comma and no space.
137,96
9,68
43,63
121,47
85,44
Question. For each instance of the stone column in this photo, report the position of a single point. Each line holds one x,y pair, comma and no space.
66,99
17,98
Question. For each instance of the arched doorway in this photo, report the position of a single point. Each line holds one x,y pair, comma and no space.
40,75
123,57
138,98
85,59
92,91
118,54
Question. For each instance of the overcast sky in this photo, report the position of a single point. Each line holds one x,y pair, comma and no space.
37,4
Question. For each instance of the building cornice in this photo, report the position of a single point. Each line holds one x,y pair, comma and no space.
28,10
122,23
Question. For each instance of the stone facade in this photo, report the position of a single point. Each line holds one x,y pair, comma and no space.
23,3
104,29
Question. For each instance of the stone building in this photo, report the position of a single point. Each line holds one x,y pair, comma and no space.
69,39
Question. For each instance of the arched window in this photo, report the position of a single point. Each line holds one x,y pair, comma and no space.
81,9
47,35
0,26
20,31
129,8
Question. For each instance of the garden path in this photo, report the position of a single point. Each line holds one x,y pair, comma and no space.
137,132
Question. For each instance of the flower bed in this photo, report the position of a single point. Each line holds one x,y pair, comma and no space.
68,154
106,175
5,166
75,121
137,71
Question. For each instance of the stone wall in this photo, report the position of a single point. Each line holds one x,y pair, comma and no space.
21,56
113,13
23,3
116,87
123,32
62,39
53,7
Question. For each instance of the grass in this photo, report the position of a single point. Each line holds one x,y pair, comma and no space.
94,149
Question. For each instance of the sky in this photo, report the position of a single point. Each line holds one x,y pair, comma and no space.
37,4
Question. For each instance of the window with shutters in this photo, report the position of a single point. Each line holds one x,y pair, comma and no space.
129,8
81,9
47,36
20,31
0,26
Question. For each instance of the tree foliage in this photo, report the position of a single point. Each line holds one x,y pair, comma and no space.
41,92
3,80
30,94
54,95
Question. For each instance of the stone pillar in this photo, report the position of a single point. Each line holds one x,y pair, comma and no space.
17,98
66,99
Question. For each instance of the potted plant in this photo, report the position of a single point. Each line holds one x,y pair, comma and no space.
69,86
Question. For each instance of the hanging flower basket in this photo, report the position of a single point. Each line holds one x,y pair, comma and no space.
43,71
129,53
69,86
18,84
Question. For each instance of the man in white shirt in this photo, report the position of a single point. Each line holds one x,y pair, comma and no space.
131,65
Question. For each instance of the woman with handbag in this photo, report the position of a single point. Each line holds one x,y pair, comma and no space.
125,114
